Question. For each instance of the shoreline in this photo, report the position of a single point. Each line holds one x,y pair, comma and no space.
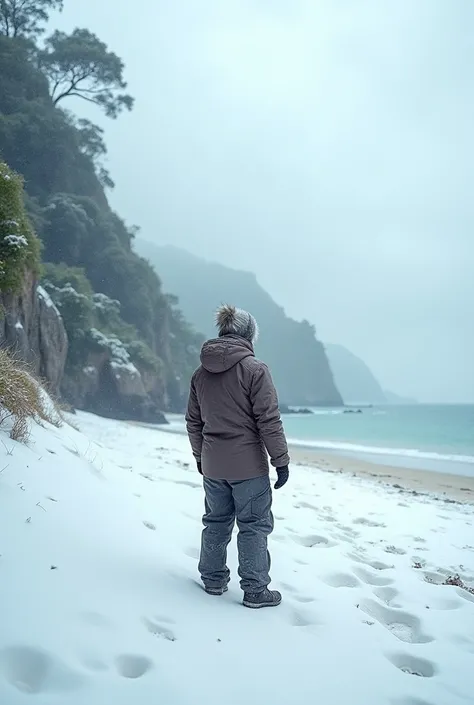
405,479
446,486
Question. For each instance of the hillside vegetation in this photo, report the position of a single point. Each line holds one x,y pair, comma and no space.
130,347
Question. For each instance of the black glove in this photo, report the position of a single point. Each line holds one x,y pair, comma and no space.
283,475
199,464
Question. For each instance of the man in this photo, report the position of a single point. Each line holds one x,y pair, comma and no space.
233,421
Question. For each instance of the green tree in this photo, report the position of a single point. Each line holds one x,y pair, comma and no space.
19,247
80,65
25,18
60,275
91,143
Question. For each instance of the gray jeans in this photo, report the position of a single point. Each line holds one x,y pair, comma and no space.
249,502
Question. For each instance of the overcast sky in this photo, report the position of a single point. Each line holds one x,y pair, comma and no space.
326,145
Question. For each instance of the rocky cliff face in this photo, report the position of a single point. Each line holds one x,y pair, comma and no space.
32,327
110,384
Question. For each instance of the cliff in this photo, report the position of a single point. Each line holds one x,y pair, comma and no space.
30,325
130,353
353,377
295,356
32,328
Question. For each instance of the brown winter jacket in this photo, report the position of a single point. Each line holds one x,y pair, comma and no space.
232,417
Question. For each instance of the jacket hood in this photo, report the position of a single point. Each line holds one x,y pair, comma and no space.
220,354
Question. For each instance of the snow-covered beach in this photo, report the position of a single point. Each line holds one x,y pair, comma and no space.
100,600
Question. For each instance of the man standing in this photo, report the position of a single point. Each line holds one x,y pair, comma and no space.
233,422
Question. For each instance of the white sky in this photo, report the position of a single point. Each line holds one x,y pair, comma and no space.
326,145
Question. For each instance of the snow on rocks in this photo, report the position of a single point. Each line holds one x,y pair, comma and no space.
16,241
120,359
43,294
100,600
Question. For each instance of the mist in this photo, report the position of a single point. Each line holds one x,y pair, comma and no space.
326,146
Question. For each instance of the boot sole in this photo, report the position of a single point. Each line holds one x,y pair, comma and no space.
259,606
216,594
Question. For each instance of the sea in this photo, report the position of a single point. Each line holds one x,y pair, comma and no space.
436,437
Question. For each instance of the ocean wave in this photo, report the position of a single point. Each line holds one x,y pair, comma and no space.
376,450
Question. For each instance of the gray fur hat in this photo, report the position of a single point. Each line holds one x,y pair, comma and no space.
235,321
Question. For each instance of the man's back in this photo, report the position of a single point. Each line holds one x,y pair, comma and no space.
233,417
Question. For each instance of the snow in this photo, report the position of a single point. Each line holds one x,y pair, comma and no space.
19,325
17,241
105,303
129,367
112,343
43,294
120,358
100,600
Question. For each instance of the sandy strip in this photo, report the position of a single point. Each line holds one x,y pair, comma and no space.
446,486
458,488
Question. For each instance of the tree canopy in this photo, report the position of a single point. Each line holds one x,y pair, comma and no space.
80,65
26,18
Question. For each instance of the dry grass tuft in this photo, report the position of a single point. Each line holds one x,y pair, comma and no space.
457,581
22,399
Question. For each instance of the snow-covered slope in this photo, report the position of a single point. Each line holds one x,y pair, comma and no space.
100,603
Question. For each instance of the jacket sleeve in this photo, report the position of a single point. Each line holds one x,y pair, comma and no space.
264,399
194,424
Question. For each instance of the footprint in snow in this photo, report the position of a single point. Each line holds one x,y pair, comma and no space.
376,565
305,505
187,483
306,599
431,576
299,618
313,540
159,626
412,665
445,604
132,665
338,580
369,522
387,595
403,625
348,530
299,561
371,578
394,550
32,670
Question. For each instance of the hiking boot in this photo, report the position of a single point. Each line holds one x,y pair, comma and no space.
265,598
216,590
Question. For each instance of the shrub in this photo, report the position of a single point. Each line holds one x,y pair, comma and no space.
19,246
23,399
142,356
